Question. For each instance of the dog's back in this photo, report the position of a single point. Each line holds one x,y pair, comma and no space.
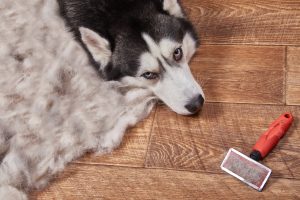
108,17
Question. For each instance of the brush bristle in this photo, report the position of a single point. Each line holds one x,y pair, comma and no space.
246,169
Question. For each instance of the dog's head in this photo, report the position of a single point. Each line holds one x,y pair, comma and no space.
151,49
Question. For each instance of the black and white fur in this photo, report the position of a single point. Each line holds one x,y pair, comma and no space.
54,107
136,41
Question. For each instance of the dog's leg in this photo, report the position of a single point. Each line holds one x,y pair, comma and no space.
113,138
140,105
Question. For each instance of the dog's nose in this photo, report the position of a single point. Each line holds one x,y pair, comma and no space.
195,104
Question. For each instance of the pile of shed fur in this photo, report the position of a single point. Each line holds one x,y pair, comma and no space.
53,105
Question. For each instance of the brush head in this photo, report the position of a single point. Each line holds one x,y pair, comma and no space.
245,169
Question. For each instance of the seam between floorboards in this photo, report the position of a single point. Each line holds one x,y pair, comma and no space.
166,169
151,135
285,75
257,104
249,44
242,103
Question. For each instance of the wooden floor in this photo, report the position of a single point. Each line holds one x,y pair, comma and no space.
249,65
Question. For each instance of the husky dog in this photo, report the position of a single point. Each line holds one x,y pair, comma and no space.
54,107
145,43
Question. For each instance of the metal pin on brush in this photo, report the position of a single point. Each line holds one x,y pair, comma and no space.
248,169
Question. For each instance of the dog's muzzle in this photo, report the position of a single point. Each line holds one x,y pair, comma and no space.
195,104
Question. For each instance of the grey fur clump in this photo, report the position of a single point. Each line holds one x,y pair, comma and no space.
53,105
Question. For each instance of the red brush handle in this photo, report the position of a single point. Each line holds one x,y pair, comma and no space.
269,139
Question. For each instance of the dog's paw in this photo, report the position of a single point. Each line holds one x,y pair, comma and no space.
138,95
140,111
107,147
110,141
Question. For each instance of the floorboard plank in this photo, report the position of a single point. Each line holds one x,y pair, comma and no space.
293,76
132,151
98,182
267,22
241,74
201,142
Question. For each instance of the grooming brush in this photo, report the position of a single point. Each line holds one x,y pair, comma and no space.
248,169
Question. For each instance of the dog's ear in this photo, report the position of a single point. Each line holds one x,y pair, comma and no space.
98,46
173,7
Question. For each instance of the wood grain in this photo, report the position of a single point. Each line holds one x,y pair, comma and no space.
98,182
132,151
241,74
293,76
200,143
268,22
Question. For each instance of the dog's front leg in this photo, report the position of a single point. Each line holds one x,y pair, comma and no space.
139,105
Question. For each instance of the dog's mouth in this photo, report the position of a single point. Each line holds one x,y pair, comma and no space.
194,107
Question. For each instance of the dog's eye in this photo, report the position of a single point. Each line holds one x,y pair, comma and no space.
150,75
178,54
